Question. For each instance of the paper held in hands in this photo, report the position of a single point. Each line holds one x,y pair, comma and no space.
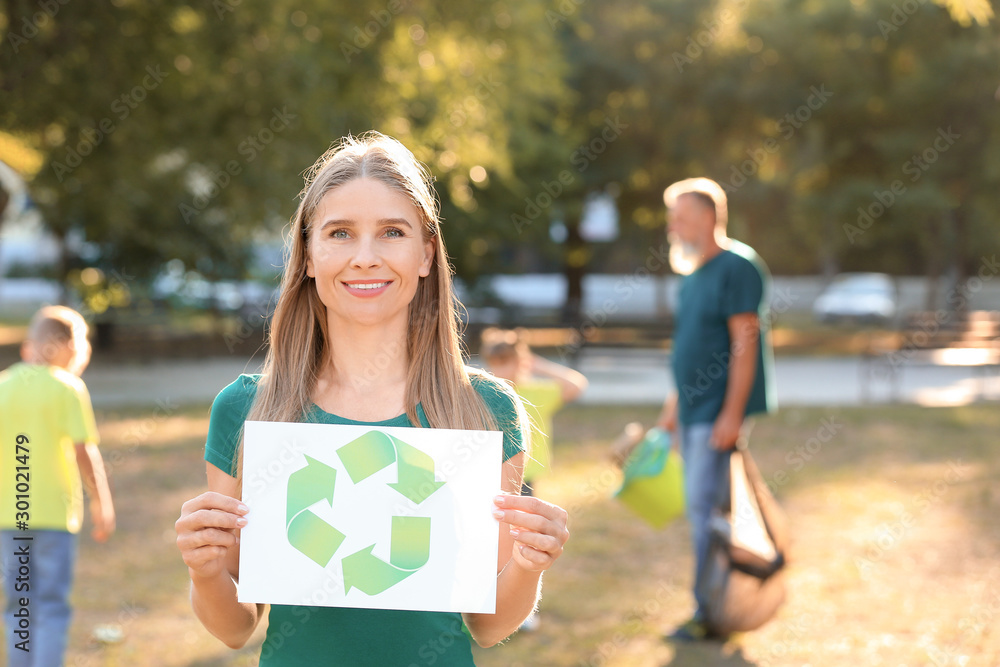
373,517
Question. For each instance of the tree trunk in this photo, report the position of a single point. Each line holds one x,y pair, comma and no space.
574,268
934,264
828,249
961,238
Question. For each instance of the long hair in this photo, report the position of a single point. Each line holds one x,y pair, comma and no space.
300,342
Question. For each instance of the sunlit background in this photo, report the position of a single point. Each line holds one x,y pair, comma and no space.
151,154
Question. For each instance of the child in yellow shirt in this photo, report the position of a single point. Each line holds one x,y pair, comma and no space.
48,440
545,386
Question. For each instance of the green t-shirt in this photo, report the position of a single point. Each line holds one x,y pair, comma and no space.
52,408
733,282
348,637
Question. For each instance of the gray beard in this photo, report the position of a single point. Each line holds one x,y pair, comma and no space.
684,258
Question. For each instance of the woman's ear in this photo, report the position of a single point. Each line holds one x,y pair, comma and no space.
425,266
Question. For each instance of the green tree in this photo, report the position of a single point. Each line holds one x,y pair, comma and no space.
892,171
805,112
180,130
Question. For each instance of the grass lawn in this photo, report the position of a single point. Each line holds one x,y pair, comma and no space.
895,561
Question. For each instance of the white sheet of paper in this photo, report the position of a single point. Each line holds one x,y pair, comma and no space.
433,540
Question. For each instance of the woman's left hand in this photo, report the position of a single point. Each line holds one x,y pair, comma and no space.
538,528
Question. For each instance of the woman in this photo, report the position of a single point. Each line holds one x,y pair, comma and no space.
365,332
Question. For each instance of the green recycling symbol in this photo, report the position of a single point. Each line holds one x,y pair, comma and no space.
411,535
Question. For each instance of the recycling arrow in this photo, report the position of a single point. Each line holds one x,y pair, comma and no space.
409,551
365,456
410,544
308,533
371,574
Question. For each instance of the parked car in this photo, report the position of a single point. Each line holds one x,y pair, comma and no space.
860,297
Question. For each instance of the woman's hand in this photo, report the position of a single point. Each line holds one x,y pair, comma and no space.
538,528
207,530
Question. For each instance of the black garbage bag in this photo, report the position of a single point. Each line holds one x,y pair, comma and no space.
743,578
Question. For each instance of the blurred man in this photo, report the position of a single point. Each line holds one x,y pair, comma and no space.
721,356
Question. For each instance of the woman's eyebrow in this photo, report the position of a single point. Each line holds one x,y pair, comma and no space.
338,222
402,222
395,221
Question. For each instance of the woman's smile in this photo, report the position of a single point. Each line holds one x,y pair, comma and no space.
366,289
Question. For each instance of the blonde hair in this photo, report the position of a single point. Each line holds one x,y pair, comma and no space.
503,345
54,328
705,189
300,341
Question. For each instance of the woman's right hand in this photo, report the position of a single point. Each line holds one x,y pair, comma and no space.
207,530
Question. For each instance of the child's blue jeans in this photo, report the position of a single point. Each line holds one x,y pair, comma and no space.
51,557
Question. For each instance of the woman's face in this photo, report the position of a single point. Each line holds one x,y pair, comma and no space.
367,253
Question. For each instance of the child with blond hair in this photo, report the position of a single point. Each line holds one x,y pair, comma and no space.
545,386
48,440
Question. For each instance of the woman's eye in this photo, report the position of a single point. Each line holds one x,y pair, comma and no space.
339,234
394,233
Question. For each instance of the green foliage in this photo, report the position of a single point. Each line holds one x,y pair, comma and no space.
180,131
177,130
806,111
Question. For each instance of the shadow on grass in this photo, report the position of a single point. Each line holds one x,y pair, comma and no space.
620,583
248,655
708,654
905,491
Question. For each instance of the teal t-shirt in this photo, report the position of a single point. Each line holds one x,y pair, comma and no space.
733,282
348,637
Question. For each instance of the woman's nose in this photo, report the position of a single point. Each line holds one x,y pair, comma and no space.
366,253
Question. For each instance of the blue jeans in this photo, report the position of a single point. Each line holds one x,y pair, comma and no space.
706,486
51,556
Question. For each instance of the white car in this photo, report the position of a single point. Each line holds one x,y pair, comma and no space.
862,297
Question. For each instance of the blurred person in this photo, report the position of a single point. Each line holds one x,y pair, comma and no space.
364,332
721,357
545,386
49,441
